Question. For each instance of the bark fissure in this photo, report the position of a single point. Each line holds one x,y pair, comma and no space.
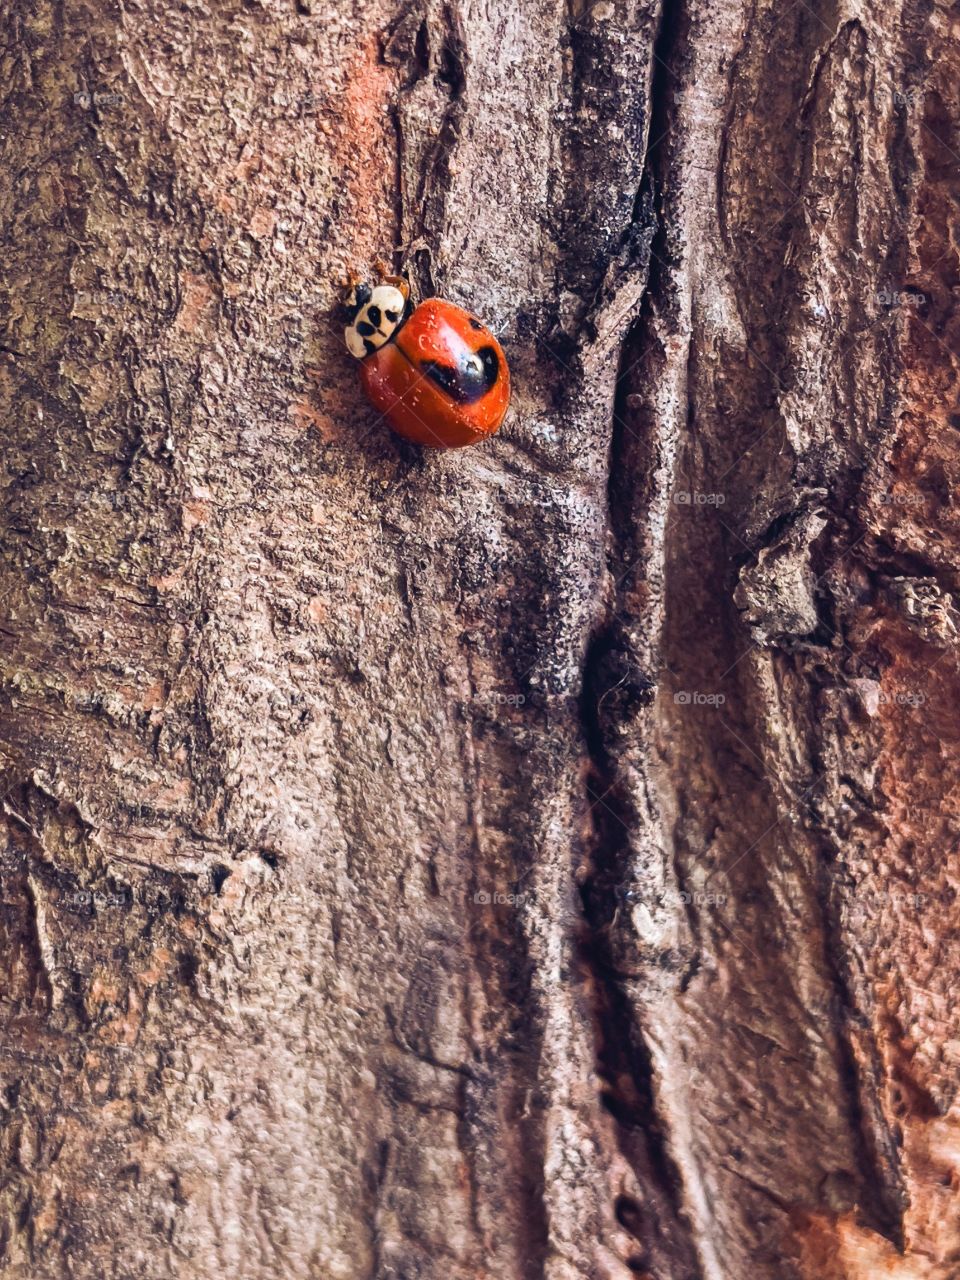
616,693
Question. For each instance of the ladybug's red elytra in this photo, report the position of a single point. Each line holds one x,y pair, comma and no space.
434,371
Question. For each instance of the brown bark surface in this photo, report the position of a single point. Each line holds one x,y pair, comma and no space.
537,862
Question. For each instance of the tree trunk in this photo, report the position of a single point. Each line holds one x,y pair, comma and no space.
535,861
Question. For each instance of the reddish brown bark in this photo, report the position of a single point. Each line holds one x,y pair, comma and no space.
533,861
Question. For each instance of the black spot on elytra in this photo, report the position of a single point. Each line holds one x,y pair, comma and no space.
365,330
360,297
469,381
373,315
475,323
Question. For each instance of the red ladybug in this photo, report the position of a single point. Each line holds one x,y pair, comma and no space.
434,371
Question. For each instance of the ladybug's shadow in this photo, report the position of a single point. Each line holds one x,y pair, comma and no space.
361,431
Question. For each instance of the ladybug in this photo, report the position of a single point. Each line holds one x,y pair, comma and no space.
434,371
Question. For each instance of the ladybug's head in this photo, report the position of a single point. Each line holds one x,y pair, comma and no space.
375,313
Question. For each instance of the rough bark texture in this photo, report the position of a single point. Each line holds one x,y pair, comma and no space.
532,862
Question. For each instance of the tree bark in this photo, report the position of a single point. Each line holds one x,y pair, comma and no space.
536,861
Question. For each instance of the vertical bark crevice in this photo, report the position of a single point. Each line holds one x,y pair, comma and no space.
620,684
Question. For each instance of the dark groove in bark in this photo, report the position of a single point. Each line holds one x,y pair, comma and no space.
615,692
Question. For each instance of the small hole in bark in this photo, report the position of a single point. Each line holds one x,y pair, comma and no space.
628,1214
189,967
270,859
451,71
219,875
421,51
